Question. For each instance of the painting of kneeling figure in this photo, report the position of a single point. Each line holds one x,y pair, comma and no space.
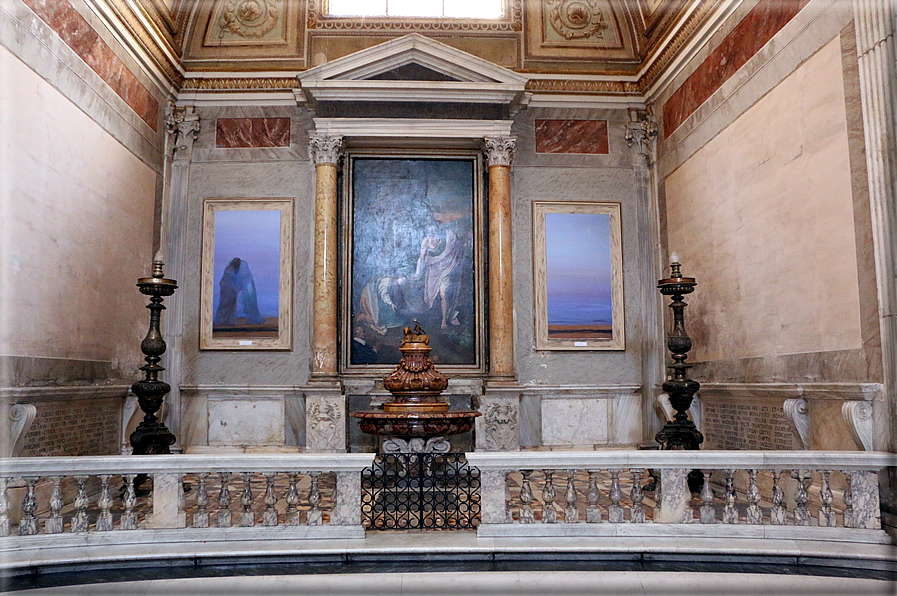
245,281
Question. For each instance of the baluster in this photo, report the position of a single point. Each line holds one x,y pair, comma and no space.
777,513
826,514
28,525
315,515
754,513
104,520
801,513
549,513
708,515
848,501
637,512
269,517
571,515
224,514
53,525
292,499
593,513
614,510
4,507
129,501
526,499
201,516
80,521
730,514
509,515
247,519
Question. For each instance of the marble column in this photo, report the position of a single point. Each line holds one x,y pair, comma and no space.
182,125
325,404
325,152
877,58
498,428
499,153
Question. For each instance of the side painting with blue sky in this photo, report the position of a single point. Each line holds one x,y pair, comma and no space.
246,273
578,275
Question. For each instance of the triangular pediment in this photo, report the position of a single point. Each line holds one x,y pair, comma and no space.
413,53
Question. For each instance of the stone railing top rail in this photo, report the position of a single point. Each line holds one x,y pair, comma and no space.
713,460
177,464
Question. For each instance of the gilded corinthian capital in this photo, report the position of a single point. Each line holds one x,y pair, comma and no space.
324,149
499,150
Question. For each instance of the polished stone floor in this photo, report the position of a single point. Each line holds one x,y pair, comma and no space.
523,583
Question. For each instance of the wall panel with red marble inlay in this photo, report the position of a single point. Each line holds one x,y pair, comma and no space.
571,136
745,40
77,34
233,133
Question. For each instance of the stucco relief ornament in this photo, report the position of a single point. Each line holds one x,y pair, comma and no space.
324,149
499,150
325,423
500,422
249,18
642,131
183,123
576,19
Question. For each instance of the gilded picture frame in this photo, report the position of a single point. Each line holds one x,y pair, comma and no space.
412,250
247,274
578,276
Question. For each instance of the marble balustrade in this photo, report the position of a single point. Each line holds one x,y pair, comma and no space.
805,494
788,495
96,494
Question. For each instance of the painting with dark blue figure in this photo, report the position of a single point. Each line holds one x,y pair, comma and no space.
246,299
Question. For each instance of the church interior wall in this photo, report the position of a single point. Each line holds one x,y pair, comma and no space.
75,224
763,260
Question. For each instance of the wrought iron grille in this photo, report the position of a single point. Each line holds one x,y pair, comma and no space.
408,491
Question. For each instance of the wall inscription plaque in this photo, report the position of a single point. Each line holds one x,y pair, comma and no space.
75,428
750,425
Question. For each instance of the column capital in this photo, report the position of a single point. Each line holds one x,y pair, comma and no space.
641,130
499,150
324,149
183,124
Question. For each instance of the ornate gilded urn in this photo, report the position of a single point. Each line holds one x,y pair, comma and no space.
415,383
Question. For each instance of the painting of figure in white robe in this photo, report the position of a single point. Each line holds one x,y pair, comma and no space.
413,255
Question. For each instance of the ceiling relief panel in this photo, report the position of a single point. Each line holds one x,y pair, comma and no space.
593,32
318,21
242,22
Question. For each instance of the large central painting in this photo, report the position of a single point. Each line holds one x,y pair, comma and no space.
413,254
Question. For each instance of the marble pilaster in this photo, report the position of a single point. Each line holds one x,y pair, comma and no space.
182,125
674,501
167,495
325,152
876,22
499,153
493,507
865,500
347,511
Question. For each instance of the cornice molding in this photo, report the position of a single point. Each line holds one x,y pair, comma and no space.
239,84
142,38
583,86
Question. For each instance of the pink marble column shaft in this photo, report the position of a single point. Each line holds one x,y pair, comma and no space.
325,153
499,152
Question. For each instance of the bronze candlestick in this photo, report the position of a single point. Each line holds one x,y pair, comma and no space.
152,436
680,432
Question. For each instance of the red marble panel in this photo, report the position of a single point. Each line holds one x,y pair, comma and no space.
745,40
234,133
571,136
77,34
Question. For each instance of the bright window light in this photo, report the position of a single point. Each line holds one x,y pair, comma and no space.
458,9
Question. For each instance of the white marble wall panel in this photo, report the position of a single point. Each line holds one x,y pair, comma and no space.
574,421
246,421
